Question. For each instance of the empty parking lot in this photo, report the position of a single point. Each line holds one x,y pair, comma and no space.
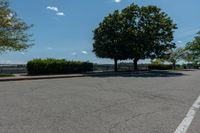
153,102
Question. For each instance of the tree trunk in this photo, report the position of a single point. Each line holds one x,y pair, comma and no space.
115,66
174,65
135,64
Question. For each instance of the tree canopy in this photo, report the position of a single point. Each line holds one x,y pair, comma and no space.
13,30
134,33
108,38
193,49
175,55
149,32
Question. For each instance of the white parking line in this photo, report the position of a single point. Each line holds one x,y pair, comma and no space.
185,124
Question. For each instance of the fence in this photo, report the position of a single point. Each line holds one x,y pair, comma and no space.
12,68
121,67
21,68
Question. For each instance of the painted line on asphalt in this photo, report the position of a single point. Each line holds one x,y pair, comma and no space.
185,124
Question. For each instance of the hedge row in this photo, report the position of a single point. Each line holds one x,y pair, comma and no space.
159,67
57,66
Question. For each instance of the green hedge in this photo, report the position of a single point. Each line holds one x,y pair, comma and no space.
159,67
57,66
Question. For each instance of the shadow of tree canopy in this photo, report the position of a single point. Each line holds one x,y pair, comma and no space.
143,74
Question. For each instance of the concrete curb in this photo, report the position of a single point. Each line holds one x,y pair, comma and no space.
92,74
39,77
20,78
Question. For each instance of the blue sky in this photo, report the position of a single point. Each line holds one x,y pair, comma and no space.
63,28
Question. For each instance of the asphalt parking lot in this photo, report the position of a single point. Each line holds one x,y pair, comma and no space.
132,103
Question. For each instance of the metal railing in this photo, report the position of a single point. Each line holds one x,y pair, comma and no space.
13,68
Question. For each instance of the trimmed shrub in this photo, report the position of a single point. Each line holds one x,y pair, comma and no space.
57,66
159,67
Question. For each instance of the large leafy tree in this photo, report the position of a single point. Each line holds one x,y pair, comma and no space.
13,30
149,32
131,34
135,33
108,38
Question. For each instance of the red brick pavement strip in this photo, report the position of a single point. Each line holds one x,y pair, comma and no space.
23,77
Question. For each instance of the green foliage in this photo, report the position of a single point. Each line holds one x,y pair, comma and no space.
159,67
134,33
175,55
107,37
57,66
6,75
191,66
13,30
148,30
157,61
193,50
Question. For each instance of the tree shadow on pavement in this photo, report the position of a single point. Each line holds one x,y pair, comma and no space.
137,74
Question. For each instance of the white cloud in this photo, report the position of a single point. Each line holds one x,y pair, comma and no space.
74,53
53,8
60,14
117,1
22,53
179,41
84,52
49,48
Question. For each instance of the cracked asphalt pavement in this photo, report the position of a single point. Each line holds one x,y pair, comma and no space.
130,103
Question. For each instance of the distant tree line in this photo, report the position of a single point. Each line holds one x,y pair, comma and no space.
192,51
190,54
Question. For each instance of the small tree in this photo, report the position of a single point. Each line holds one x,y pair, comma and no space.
108,38
193,49
175,55
13,36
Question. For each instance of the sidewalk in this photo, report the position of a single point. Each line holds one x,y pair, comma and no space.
153,73
25,77
19,77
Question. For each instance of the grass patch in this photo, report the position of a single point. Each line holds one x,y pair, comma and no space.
6,75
